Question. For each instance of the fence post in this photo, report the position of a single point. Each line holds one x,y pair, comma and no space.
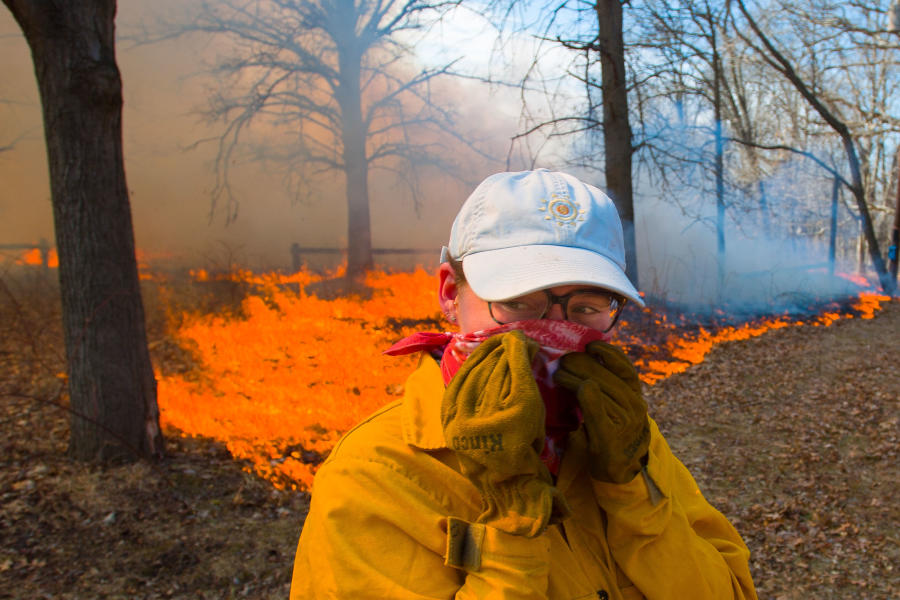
44,248
296,261
894,248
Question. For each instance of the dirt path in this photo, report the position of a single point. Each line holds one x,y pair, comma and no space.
793,435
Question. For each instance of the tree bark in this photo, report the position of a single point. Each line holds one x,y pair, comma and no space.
832,236
720,164
356,164
111,382
616,127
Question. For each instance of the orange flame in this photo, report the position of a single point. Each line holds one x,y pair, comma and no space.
280,384
685,350
869,303
35,257
32,257
285,382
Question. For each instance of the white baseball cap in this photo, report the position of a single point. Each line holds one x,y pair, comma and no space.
526,231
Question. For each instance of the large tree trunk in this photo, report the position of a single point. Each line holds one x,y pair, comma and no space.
111,383
616,128
356,165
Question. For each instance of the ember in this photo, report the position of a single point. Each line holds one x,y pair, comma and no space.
281,382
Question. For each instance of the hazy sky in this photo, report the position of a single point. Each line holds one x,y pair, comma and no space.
170,184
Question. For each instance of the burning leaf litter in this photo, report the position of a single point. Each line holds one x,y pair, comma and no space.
793,435
279,383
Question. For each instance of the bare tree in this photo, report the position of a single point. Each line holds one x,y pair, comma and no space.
690,39
695,50
829,110
111,383
338,76
593,32
708,113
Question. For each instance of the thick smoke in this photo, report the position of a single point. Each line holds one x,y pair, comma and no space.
170,177
763,274
764,271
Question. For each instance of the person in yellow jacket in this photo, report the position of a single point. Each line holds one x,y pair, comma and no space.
521,461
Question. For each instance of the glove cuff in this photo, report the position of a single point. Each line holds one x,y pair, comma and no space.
525,507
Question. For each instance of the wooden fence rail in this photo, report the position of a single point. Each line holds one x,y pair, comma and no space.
297,252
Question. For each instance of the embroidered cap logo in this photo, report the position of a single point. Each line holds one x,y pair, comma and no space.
562,209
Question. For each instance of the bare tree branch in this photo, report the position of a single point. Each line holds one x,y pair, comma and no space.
775,58
339,76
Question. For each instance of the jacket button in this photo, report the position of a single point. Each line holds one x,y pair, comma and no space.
602,595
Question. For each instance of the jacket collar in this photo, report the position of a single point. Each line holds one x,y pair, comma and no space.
421,406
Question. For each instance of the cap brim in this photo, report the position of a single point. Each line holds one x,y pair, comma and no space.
509,272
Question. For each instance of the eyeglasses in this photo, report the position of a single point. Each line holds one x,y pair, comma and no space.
594,309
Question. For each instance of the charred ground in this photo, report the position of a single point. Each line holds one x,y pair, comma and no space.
793,435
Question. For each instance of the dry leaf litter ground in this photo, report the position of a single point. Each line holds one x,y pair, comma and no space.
793,435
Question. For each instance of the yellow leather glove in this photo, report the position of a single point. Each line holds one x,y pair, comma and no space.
493,418
615,414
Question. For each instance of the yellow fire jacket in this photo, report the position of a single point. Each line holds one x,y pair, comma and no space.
392,517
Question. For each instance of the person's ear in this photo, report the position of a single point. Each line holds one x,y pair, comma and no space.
448,291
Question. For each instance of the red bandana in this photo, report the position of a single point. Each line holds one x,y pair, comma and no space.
555,338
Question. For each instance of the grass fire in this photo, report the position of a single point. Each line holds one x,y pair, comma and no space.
210,235
787,420
280,379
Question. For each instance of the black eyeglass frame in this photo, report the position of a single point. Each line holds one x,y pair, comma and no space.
617,302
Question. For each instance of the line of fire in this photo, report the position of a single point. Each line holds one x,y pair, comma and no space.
282,367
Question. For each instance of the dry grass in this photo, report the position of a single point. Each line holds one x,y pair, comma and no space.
195,526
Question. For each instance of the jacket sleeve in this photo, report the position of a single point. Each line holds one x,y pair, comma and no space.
372,532
668,539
